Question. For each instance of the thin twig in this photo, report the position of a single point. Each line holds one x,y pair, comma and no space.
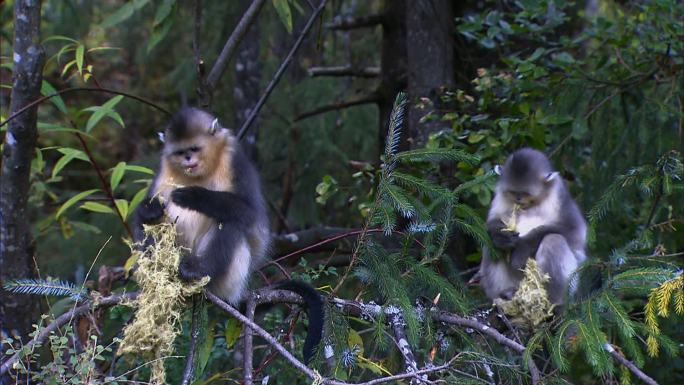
103,181
366,72
281,71
84,89
356,101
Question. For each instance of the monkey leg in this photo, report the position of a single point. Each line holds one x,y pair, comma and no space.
555,258
497,278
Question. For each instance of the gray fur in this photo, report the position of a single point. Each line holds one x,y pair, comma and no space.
550,227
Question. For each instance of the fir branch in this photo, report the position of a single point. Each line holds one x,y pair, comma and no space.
396,124
477,181
398,198
436,155
46,287
422,186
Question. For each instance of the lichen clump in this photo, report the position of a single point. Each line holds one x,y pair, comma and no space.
160,302
530,304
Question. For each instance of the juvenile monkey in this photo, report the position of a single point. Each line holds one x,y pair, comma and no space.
548,227
210,190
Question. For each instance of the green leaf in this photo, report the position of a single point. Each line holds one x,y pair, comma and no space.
60,38
232,332
164,11
142,169
47,89
69,155
73,200
80,53
159,33
50,127
105,109
555,120
204,351
285,13
137,198
97,207
123,13
122,205
117,173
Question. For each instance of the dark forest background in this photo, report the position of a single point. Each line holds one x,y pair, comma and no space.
395,208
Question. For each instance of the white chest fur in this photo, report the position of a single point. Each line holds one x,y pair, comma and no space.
547,212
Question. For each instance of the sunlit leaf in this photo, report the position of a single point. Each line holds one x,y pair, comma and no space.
73,200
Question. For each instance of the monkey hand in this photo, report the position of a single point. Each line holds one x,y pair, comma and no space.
150,211
505,240
188,269
520,254
188,197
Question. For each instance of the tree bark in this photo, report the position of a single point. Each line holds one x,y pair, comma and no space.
18,312
430,59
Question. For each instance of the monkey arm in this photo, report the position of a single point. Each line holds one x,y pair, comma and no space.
222,206
150,211
527,245
504,240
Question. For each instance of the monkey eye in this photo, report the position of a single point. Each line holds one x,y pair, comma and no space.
194,148
178,152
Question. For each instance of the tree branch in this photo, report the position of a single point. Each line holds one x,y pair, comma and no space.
232,43
354,101
65,318
249,353
366,72
628,364
281,70
396,320
345,23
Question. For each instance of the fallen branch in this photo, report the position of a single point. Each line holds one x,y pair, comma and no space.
355,101
366,72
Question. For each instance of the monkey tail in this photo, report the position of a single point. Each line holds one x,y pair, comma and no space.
316,315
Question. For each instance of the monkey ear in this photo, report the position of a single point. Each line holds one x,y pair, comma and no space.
214,126
551,176
498,170
162,136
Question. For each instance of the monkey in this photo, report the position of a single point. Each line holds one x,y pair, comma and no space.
211,191
549,227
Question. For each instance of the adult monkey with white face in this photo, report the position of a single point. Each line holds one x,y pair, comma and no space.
210,190
548,227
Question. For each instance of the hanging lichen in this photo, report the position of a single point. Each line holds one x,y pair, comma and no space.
530,304
160,302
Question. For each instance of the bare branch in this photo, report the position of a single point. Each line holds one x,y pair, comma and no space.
359,100
64,319
248,342
366,72
628,364
189,372
232,43
345,23
281,70
396,320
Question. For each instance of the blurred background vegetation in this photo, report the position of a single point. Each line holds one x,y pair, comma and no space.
597,85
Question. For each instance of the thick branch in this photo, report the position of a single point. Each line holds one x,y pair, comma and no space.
232,43
281,70
628,364
65,318
355,101
366,72
345,23
248,342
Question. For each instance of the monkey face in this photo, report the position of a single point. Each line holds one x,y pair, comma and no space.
189,158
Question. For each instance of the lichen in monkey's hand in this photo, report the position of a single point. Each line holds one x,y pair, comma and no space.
160,302
530,304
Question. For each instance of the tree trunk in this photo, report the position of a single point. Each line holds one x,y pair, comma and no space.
18,312
430,58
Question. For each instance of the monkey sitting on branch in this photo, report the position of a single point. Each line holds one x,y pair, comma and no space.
547,226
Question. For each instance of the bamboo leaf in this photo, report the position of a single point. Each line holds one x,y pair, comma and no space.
97,207
284,13
47,89
80,54
117,173
105,109
73,200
